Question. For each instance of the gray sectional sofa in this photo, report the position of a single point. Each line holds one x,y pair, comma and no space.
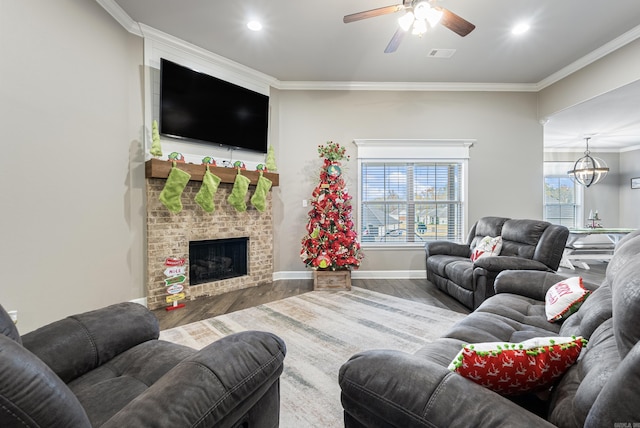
526,244
382,388
107,368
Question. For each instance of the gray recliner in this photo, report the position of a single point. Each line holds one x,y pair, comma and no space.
107,368
526,244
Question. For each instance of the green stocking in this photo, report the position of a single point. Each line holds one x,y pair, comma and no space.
259,198
172,191
204,197
239,192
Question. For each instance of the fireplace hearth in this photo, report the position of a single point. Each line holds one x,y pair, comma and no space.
216,259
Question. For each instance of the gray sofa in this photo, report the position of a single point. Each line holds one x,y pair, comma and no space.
106,368
394,389
526,244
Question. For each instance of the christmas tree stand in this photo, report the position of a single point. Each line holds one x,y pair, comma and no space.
332,279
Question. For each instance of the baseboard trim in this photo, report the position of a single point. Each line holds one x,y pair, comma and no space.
357,274
141,301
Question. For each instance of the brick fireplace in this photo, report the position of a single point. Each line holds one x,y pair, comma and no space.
168,235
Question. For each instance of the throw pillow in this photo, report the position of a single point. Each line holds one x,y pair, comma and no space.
516,368
487,246
564,298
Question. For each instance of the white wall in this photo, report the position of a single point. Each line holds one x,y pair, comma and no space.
604,196
72,181
505,168
629,198
613,71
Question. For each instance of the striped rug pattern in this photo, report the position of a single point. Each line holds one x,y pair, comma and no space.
322,329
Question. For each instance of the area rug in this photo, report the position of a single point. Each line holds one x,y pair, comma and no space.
322,330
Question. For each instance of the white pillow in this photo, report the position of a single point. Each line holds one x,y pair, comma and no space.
564,298
487,246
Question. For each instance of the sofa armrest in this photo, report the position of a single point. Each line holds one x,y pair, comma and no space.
527,283
395,389
214,387
531,283
77,344
448,248
500,263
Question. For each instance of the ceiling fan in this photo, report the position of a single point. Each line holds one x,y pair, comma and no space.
419,16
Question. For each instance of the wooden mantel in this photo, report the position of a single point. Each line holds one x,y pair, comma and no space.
156,168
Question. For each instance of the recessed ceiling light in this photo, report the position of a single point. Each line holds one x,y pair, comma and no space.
520,28
254,25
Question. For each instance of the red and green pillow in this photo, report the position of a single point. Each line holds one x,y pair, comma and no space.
517,368
564,298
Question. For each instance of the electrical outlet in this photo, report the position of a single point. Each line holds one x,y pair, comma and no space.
305,203
14,316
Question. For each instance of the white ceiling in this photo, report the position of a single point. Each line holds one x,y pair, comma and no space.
306,41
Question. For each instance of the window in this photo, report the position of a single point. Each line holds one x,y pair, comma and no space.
562,198
410,202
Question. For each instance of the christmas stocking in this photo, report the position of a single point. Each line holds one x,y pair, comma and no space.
239,192
259,198
172,191
204,197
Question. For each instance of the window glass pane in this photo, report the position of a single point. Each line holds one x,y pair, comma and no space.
560,200
411,202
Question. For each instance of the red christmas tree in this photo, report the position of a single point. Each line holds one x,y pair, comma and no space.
331,243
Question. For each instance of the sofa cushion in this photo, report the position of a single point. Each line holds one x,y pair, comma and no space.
438,263
460,272
525,316
520,237
564,298
125,377
488,246
626,297
486,226
593,312
574,395
516,368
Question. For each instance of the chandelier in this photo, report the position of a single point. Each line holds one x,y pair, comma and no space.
588,170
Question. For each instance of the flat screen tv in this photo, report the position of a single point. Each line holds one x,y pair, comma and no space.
203,108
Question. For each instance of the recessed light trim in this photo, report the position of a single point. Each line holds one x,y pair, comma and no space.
254,25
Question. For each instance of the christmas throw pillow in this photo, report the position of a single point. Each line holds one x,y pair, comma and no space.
516,368
564,298
487,246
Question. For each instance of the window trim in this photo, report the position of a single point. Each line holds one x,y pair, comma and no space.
414,150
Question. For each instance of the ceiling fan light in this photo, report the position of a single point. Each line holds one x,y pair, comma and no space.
434,16
419,27
406,20
421,9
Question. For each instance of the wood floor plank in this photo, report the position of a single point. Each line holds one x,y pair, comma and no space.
419,290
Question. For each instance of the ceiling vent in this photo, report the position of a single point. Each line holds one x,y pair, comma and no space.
441,53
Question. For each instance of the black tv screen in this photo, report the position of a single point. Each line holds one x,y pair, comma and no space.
203,108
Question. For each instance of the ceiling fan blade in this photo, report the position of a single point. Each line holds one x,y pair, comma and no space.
395,41
456,23
372,13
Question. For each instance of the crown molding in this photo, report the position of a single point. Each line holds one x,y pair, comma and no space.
145,31
121,16
630,149
579,150
405,86
203,54
591,57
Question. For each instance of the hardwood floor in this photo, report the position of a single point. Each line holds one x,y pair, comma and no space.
419,290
